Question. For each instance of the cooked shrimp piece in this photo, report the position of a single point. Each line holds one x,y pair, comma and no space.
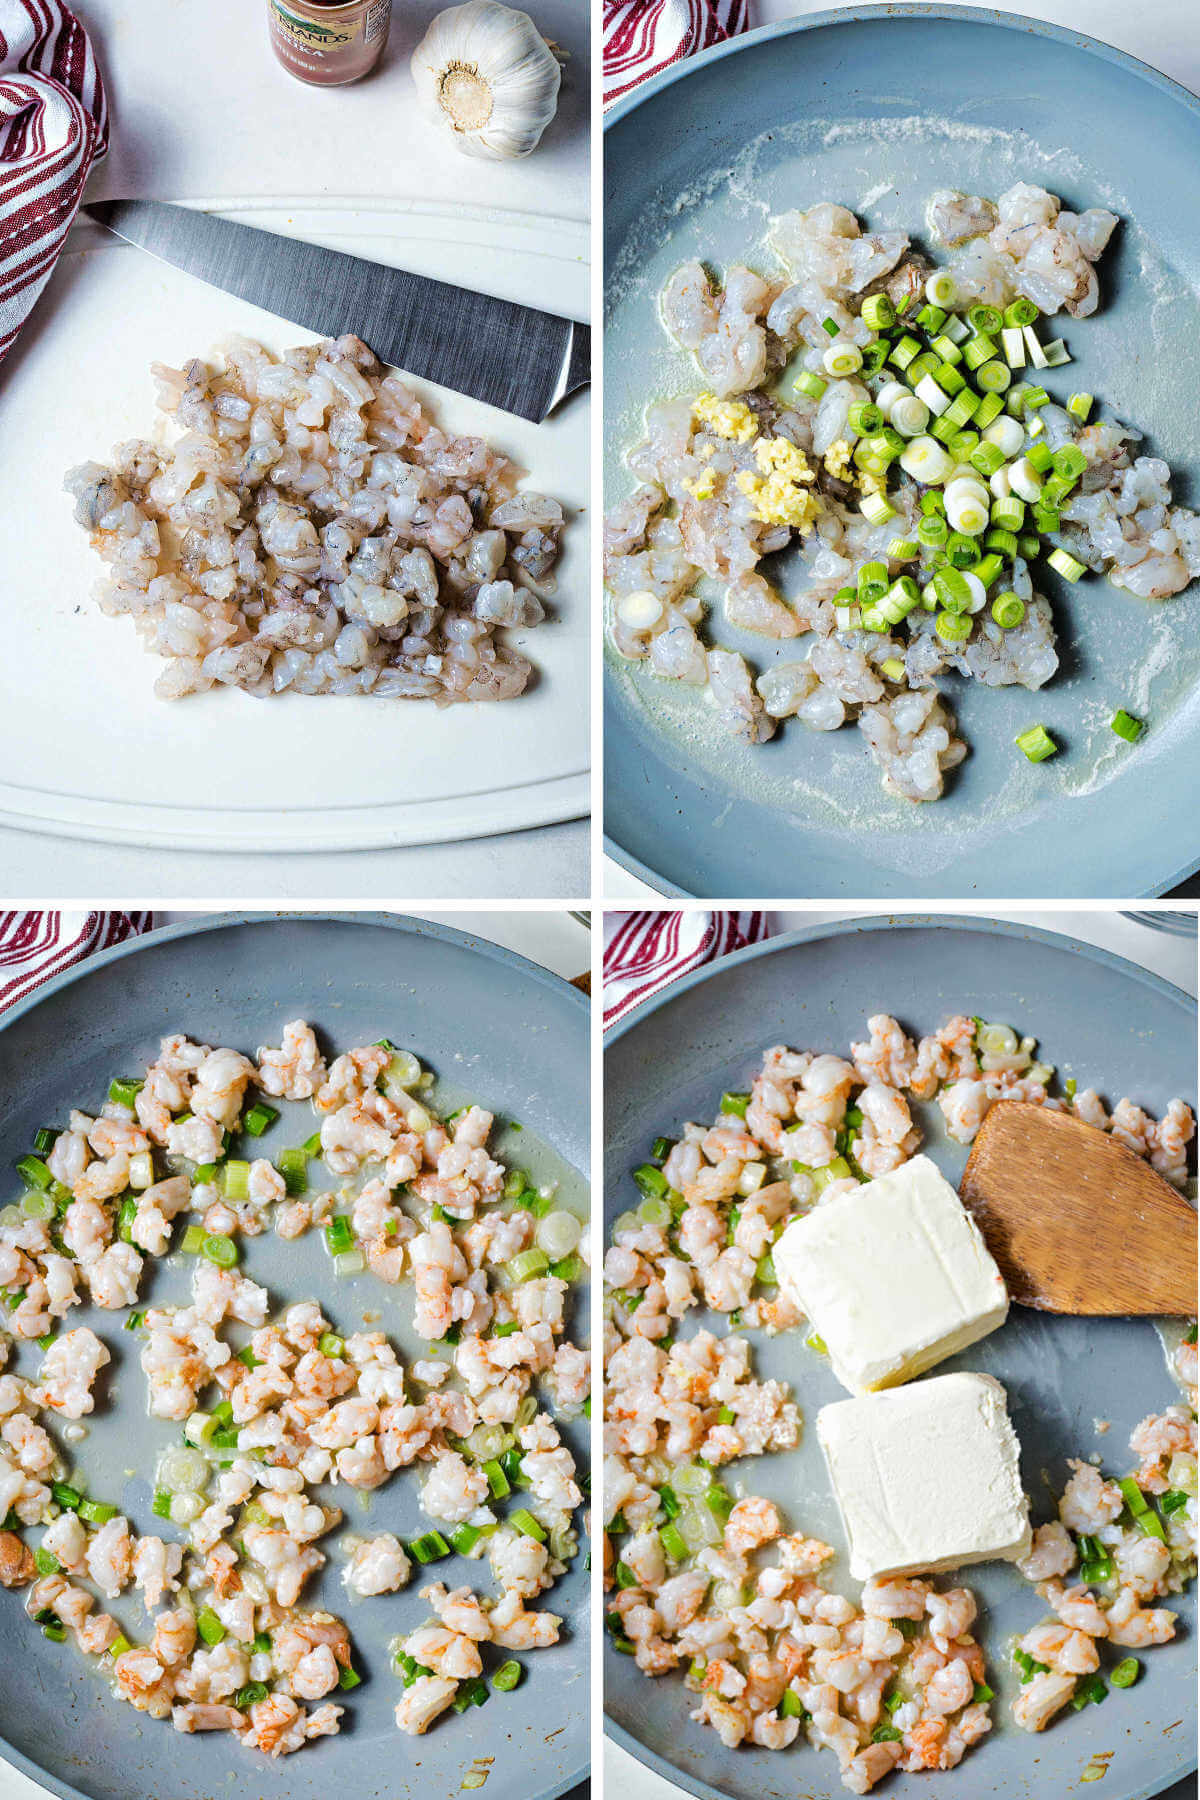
751,1524
1040,1699
17,1566
515,1629
423,1702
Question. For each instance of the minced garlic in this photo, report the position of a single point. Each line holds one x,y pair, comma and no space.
837,458
781,494
728,418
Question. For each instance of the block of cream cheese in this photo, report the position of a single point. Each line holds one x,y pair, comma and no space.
894,1277
926,1476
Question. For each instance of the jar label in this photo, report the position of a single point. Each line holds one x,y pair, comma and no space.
330,37
310,34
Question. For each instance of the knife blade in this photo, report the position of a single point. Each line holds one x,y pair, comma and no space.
511,356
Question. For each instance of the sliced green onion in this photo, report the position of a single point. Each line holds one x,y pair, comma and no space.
1150,1525
330,1344
124,1090
1173,1501
1080,406
1069,461
903,550
1090,1691
946,349
338,1236
810,383
507,1676
886,1734
312,1145
652,1181
1008,609
431,1546
33,1171
903,351
865,418
497,1480
221,1250
96,1512
209,1626
293,1166
161,1504
1126,1672
258,1118
941,289
842,360
909,416
527,1265
875,509
673,1542
1036,743
738,1102
527,1525
979,350
993,377
235,1180
878,312
250,1695
953,628
1126,726
348,1678
790,1705
1068,566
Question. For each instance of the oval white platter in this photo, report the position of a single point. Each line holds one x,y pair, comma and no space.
87,750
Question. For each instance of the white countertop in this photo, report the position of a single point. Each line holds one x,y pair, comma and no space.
556,941
1165,33
202,111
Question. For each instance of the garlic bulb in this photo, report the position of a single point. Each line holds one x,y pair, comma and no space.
486,72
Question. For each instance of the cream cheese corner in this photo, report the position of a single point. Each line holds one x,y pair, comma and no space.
927,1477
894,1276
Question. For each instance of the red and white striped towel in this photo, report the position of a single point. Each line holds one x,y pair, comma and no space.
643,951
53,126
34,946
643,36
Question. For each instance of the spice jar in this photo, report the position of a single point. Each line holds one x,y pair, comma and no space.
329,42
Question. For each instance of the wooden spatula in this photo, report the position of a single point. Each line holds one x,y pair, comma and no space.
1076,1221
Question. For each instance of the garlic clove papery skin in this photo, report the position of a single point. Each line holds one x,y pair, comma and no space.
485,72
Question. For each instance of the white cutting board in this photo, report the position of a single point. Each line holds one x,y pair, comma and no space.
87,750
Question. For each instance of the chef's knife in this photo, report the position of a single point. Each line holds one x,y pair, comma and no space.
511,356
